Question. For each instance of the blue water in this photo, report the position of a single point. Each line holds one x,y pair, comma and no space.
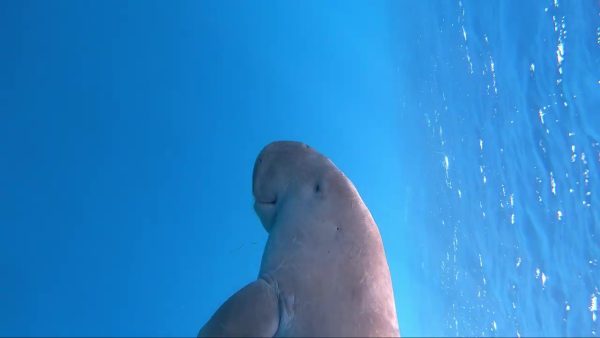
128,132
508,217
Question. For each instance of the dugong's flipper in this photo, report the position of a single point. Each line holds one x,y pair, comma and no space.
250,312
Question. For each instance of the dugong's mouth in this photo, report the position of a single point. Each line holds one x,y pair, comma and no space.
265,204
263,197
266,211
267,201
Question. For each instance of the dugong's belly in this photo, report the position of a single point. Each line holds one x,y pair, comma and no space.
341,288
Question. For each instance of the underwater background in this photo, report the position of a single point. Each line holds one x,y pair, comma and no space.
129,130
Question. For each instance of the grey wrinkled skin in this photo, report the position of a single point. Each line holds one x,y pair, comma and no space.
323,272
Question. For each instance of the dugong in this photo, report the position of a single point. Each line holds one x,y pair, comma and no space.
323,271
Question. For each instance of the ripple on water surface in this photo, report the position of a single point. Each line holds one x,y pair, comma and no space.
510,96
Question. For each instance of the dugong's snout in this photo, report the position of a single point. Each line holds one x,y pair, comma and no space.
274,166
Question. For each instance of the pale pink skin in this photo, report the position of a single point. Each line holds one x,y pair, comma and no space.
323,271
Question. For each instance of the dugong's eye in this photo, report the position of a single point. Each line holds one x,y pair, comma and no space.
317,188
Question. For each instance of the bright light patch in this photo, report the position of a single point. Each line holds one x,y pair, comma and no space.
544,279
560,53
593,306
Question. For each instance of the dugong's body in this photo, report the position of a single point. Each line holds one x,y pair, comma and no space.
323,271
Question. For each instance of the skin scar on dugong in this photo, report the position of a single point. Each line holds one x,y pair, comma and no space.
323,270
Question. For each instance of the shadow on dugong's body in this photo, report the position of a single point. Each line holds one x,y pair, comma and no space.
323,271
